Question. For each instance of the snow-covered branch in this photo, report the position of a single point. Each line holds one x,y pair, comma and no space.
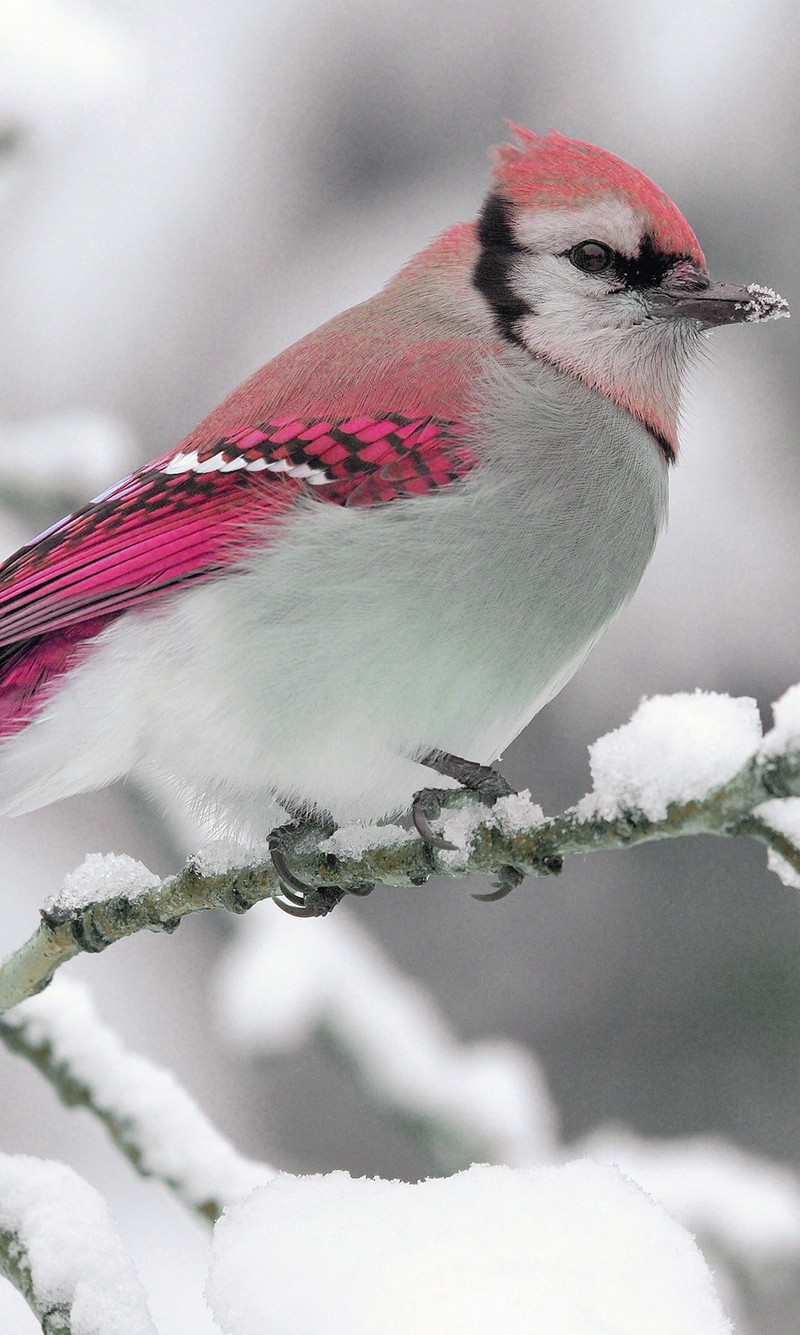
60,1249
146,1112
684,765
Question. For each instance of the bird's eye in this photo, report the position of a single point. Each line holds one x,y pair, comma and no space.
591,256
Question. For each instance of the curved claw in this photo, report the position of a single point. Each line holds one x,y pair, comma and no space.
426,832
297,892
287,878
317,903
298,898
294,909
291,897
508,879
499,893
422,824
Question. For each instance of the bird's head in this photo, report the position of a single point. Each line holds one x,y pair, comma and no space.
587,264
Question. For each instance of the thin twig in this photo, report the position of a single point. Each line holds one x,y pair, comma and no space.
536,850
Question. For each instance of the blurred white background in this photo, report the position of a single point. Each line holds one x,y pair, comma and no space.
187,187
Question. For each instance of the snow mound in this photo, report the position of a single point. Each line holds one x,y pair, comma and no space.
785,735
676,748
576,1250
517,812
748,1204
101,876
353,841
219,856
783,814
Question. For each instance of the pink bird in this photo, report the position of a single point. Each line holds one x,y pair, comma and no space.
393,544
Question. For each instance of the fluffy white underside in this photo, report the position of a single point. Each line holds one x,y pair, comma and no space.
360,639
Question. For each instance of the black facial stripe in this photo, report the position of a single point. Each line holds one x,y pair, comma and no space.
494,226
648,268
663,443
492,274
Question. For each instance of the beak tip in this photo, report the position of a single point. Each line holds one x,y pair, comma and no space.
764,304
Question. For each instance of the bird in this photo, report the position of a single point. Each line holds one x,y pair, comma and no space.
373,564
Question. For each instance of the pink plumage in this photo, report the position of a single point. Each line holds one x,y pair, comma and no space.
187,516
552,171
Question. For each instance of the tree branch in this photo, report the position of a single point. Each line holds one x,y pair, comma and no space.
15,1265
60,1249
144,1109
494,837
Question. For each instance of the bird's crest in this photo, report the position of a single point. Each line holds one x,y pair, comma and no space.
552,171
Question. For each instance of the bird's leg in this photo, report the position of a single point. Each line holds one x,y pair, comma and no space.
298,898
475,778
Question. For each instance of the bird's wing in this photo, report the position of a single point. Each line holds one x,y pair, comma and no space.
191,513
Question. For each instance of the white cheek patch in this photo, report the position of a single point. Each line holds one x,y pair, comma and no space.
550,283
606,219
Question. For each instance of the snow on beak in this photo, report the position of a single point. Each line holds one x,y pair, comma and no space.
715,303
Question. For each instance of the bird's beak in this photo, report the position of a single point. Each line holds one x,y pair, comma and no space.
715,304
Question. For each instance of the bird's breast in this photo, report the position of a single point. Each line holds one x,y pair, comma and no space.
549,538
447,620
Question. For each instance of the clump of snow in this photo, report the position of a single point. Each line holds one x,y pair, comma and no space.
101,876
782,869
74,1254
458,825
676,748
577,1250
746,1203
278,987
353,841
221,855
508,814
783,814
785,735
176,1141
517,812
766,304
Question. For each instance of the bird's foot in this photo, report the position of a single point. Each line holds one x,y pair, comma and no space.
487,785
297,897
482,780
427,807
508,878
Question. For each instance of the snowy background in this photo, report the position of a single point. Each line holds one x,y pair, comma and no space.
184,189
